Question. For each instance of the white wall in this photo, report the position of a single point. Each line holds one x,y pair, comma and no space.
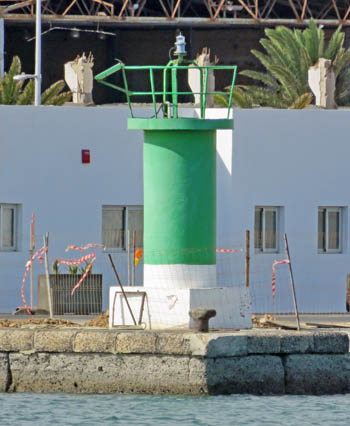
41,169
294,159
298,160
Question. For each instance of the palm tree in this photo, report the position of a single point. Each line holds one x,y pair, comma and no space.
22,93
289,55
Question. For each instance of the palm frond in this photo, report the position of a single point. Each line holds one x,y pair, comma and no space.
267,79
27,95
341,61
296,53
311,36
302,102
287,80
242,99
51,92
299,36
275,53
335,43
61,99
221,100
265,60
10,88
320,42
342,92
305,64
261,96
15,67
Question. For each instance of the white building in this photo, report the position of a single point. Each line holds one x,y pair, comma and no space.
279,172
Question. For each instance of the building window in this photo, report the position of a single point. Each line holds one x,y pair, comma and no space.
329,229
121,224
266,229
8,227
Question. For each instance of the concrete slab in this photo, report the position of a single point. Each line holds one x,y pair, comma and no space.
169,308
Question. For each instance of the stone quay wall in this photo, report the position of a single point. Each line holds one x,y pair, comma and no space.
109,361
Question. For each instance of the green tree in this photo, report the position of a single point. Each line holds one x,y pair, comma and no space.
22,93
288,56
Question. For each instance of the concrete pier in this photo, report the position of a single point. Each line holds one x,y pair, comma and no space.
110,361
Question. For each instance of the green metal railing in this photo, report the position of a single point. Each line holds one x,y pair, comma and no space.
170,92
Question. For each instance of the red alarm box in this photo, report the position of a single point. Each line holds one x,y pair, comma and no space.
85,156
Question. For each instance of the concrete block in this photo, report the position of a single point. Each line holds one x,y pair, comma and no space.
263,343
174,344
214,345
95,341
96,373
255,374
232,305
4,372
329,342
226,346
136,342
198,343
169,308
198,375
56,340
16,340
296,342
26,371
317,374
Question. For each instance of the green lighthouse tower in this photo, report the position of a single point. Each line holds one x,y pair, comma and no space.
179,176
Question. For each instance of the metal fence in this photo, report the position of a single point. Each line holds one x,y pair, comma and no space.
319,289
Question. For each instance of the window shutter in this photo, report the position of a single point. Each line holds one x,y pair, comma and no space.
8,227
258,228
113,227
135,224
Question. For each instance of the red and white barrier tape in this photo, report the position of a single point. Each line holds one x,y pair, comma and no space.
39,254
275,263
83,277
228,251
32,232
83,248
74,262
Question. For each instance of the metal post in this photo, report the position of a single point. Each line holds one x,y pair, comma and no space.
2,48
37,97
128,250
292,282
122,288
347,300
133,257
31,252
48,287
247,257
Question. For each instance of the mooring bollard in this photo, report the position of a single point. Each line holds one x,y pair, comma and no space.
201,318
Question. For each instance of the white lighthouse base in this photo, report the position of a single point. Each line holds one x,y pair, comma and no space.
179,276
169,308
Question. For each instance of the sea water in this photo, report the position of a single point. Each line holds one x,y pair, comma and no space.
71,409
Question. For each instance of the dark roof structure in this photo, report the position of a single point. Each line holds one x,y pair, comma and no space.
181,12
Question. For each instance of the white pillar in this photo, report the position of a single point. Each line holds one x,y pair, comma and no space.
2,47
322,83
37,97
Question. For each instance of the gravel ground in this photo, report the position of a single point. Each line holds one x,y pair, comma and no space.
42,321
